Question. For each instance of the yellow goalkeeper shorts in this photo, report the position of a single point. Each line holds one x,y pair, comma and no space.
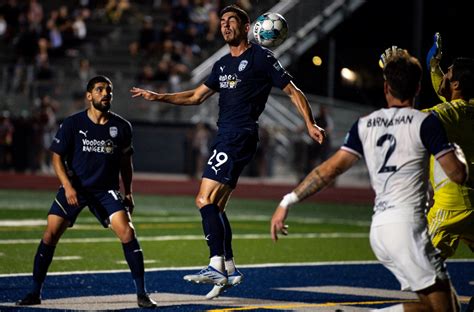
448,227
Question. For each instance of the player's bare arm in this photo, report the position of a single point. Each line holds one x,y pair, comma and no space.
190,97
454,166
126,172
61,173
315,181
299,100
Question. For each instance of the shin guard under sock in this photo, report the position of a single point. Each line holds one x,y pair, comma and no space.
134,256
213,229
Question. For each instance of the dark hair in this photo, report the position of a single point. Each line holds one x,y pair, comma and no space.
463,72
97,79
244,17
403,75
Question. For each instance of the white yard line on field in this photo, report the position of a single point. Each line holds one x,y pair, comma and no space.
141,220
186,237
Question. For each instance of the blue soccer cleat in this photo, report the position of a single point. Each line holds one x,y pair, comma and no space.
232,280
207,275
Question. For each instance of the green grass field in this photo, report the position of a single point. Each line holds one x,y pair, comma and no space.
169,229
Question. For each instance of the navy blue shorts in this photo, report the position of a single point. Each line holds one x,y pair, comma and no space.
231,152
101,203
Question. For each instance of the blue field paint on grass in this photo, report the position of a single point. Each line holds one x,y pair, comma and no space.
259,283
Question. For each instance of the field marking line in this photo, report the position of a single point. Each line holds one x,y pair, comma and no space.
138,220
310,305
187,238
244,266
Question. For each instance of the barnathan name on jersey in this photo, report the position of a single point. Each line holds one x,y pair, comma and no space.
384,122
98,146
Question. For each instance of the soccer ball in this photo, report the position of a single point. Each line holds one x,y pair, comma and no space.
270,29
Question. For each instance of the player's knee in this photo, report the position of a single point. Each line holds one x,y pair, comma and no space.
126,234
202,201
51,237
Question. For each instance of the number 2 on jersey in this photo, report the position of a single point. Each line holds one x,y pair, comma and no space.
393,143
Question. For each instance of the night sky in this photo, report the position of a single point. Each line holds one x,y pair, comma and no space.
377,25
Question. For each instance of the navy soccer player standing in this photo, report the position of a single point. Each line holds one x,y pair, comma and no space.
244,78
90,150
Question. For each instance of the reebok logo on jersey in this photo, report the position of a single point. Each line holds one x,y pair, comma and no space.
215,169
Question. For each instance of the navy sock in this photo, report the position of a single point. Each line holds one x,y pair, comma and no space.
134,256
44,256
227,237
213,229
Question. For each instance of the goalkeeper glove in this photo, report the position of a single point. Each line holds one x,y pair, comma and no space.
433,58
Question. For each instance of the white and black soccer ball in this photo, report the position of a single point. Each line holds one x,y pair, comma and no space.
270,29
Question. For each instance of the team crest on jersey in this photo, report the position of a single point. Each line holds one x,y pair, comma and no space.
113,131
243,64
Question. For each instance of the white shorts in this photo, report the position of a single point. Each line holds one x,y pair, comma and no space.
406,250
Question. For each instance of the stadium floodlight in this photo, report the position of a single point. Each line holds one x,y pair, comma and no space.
349,75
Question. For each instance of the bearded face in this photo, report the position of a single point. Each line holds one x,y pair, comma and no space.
101,96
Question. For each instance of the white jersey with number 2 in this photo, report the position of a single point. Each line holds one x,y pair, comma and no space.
396,143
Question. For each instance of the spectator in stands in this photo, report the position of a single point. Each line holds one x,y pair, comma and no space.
146,78
200,147
3,27
47,127
85,71
44,77
34,13
205,18
115,10
319,153
79,26
146,39
11,12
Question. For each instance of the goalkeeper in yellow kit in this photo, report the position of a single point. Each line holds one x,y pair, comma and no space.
451,218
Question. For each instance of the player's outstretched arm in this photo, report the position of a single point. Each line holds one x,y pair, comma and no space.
190,97
61,173
301,102
315,181
433,60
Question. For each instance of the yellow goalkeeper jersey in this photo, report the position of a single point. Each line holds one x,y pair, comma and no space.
457,117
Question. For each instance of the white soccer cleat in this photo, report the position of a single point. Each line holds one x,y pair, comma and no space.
208,275
232,280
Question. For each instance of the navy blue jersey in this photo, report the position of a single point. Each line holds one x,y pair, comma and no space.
93,152
244,83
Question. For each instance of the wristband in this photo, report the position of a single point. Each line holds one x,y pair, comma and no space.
288,200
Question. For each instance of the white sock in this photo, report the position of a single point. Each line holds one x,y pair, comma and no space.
394,308
230,266
217,262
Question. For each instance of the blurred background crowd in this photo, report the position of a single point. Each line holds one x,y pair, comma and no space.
50,49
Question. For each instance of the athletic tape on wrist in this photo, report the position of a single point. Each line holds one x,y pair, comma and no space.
288,200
